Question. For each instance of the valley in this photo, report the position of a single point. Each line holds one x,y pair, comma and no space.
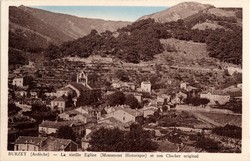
171,81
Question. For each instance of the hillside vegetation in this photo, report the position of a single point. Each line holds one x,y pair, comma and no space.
220,31
141,41
32,30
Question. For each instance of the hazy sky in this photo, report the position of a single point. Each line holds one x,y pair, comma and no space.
124,13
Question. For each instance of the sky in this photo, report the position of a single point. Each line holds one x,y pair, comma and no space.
120,13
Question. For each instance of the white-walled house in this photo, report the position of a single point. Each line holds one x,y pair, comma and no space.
123,114
146,86
213,98
147,111
29,143
18,81
163,98
65,91
74,115
50,127
60,103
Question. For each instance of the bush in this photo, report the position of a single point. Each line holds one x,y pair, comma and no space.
229,131
208,144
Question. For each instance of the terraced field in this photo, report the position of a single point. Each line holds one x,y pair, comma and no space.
224,118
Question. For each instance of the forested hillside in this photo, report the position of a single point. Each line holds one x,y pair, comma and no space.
141,40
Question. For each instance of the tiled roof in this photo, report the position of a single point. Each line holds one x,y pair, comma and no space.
129,110
65,89
57,124
30,140
146,82
62,99
73,112
133,93
80,86
56,144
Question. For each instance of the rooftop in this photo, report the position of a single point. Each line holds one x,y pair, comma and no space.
30,140
56,144
128,110
62,99
80,86
57,124
65,89
51,144
146,82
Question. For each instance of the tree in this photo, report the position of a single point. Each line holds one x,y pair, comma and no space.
89,97
66,132
28,80
229,131
52,52
196,101
115,140
13,109
207,144
40,112
93,78
39,108
107,140
117,98
122,75
139,140
132,101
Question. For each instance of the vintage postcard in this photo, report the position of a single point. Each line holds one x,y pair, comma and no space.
123,80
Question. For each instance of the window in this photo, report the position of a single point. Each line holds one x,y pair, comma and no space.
123,118
17,147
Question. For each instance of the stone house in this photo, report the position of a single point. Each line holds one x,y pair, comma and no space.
60,103
30,143
215,97
145,86
50,127
18,81
123,114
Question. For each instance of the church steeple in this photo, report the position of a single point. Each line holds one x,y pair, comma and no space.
82,78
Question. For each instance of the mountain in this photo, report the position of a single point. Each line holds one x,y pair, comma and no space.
218,29
200,16
180,11
32,30
73,26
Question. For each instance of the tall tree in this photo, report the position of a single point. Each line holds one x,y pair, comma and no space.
108,140
117,98
66,132
132,101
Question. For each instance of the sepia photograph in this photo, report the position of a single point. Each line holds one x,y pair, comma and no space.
100,78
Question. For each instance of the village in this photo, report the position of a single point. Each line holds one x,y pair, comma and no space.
46,99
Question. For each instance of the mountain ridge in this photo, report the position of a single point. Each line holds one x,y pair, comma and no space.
179,11
75,26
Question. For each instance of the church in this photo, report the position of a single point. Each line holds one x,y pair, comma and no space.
73,94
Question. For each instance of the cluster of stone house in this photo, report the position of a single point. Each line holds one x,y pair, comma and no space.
29,143
130,86
82,114
73,90
51,127
215,97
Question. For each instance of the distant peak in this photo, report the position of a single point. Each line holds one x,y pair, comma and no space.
192,5
179,11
